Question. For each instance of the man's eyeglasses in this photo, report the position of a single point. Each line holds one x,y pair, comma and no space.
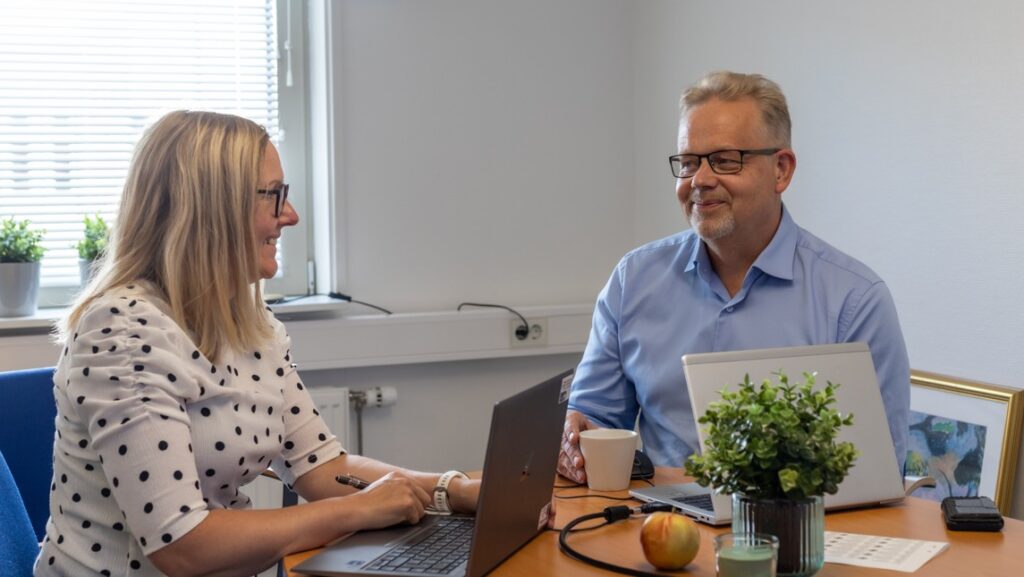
720,161
280,197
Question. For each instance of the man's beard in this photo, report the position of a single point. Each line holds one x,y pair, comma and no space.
712,228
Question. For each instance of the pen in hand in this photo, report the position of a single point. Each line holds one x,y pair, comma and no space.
352,481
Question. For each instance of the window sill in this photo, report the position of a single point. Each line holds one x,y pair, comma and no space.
329,336
42,321
44,318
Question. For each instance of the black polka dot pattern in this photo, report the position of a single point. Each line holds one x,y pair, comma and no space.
160,433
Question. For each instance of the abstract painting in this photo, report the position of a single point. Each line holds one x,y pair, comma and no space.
950,451
966,435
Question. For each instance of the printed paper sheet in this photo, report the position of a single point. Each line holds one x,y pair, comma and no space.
907,555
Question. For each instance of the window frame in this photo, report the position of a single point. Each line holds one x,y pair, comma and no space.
294,246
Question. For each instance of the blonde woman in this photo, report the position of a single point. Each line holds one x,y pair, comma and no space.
176,386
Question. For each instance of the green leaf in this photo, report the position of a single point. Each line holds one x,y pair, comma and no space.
774,440
788,479
19,243
95,241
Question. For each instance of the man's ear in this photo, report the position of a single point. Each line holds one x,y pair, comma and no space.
785,166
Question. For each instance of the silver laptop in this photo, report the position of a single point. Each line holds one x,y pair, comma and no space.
875,477
515,498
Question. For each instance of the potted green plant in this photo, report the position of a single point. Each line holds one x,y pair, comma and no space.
20,253
91,247
774,448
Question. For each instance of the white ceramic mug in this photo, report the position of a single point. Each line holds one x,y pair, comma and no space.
608,457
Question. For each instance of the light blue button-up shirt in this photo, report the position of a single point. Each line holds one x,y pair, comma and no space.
664,300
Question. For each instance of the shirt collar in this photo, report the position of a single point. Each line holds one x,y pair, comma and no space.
775,260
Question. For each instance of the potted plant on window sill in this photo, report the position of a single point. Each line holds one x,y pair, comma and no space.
20,253
91,247
774,448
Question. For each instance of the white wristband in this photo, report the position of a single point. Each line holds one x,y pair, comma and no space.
441,504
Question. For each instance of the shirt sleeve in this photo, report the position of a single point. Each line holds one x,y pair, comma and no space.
128,383
601,389
308,443
874,321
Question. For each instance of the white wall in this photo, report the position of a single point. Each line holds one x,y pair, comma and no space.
486,150
907,127
484,153
443,413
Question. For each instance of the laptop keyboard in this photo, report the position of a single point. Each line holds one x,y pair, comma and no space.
435,551
700,500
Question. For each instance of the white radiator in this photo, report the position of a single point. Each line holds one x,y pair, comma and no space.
333,405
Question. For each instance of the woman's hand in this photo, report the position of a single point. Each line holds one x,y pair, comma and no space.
394,498
463,494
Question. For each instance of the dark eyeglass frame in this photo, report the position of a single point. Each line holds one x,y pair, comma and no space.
676,160
280,195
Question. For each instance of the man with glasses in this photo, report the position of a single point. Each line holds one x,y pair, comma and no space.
744,276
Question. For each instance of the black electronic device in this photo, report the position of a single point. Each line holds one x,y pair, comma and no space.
971,514
642,466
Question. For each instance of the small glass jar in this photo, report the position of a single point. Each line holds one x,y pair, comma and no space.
745,555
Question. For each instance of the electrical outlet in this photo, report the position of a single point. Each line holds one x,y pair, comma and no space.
536,337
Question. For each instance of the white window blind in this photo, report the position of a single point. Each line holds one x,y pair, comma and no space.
80,80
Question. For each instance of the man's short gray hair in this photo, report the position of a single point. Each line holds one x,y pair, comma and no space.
732,86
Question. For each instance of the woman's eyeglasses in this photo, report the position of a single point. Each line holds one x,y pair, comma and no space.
280,197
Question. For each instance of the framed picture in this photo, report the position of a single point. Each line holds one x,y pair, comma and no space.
965,434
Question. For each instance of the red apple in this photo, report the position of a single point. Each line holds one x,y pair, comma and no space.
670,540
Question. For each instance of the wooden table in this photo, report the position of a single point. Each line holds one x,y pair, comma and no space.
972,554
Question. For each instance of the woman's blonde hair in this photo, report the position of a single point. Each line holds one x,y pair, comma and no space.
185,223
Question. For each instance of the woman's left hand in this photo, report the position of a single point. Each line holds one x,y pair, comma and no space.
463,494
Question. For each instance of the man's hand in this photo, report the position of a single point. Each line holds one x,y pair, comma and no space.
570,459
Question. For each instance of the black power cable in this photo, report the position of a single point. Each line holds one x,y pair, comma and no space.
283,300
333,295
610,515
346,298
521,332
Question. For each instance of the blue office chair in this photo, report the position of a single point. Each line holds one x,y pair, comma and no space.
18,545
26,438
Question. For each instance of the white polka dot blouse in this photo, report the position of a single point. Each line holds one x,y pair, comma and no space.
151,435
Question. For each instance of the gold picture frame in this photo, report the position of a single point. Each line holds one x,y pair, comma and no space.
956,426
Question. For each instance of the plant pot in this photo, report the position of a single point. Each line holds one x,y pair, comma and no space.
798,523
19,288
86,270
